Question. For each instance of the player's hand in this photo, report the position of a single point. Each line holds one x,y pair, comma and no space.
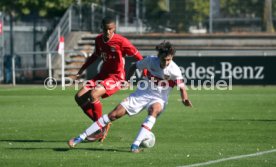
125,85
187,103
76,77
145,72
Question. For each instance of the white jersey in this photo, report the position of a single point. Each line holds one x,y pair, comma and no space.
156,88
160,81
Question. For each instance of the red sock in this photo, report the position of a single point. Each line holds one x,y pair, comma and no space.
97,109
87,109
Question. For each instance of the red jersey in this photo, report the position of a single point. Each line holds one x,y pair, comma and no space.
112,53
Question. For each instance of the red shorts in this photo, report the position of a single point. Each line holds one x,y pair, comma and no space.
111,84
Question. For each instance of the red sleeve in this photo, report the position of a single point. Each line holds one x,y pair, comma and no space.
138,56
90,59
131,50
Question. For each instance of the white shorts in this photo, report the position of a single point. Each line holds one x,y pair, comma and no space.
140,100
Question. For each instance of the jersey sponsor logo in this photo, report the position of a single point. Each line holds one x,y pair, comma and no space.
104,56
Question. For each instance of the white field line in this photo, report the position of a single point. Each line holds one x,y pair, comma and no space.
231,158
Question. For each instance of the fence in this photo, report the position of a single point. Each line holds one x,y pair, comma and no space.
47,66
62,29
88,17
198,16
2,47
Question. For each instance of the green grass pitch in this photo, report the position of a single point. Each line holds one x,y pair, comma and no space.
36,123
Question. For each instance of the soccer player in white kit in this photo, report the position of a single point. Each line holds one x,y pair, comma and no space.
152,94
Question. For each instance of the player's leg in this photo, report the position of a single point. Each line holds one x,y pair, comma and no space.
106,88
88,99
154,110
96,104
82,98
95,108
103,121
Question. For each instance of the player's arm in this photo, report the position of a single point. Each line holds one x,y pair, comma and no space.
140,65
183,92
131,50
131,71
88,61
137,55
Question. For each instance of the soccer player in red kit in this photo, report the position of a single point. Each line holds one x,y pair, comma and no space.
112,49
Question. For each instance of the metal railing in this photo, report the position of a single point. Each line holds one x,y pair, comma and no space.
88,18
2,46
62,29
25,69
122,25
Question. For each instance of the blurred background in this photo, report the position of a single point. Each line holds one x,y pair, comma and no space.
214,38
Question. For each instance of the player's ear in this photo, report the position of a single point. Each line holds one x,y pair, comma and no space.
115,28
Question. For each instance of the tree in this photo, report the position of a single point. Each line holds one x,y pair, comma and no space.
245,9
267,16
250,9
157,14
42,8
199,10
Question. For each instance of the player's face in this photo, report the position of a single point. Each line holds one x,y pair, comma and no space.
165,60
108,30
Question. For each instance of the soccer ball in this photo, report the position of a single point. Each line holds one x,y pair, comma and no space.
149,141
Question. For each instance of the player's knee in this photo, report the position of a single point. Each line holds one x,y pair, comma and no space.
94,96
117,113
155,111
112,116
78,99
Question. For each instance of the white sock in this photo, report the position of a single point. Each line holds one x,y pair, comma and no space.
102,122
145,129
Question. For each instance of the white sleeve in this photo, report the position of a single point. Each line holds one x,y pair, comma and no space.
143,64
177,75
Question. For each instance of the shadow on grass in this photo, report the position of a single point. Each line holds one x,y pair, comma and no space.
36,148
32,141
247,120
122,149
68,149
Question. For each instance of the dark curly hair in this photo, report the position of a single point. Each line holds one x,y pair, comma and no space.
165,47
108,20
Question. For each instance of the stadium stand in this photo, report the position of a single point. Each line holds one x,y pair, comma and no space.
83,44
